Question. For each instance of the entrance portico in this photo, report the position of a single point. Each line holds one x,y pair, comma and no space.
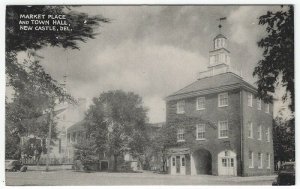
202,162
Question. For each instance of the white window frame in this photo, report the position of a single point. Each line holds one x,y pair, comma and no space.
219,99
260,161
251,163
179,133
173,161
219,129
267,108
250,128
268,161
202,131
258,103
202,98
259,131
250,99
268,134
180,103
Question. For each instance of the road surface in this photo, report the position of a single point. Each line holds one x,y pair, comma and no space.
69,177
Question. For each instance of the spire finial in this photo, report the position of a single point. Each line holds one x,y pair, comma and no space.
220,24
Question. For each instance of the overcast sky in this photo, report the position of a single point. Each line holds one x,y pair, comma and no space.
155,50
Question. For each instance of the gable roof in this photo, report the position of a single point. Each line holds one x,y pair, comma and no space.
222,81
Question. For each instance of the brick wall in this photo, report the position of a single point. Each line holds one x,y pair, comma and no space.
210,116
257,117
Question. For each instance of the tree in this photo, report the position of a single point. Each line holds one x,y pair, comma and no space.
278,55
83,28
116,122
284,139
165,139
34,89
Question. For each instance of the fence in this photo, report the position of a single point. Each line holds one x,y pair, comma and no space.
43,161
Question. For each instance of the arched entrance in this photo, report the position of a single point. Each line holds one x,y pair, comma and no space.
202,162
227,163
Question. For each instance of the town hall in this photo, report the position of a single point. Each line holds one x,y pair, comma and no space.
222,128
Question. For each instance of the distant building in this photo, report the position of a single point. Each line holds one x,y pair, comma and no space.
77,133
68,114
222,129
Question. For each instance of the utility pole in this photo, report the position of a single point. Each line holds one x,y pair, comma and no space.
49,139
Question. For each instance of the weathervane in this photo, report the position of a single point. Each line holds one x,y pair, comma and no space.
220,25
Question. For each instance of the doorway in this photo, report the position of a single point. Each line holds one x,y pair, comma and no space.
202,162
227,163
178,163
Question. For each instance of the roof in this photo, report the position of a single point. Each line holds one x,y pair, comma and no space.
223,81
79,126
220,36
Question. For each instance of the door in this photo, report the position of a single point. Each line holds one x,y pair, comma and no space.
227,166
178,164
227,163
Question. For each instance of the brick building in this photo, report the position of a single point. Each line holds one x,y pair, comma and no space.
222,129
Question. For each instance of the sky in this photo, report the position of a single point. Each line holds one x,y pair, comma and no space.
156,50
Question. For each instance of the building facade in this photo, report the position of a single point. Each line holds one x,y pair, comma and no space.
222,129
78,132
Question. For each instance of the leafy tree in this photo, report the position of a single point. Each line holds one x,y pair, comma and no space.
165,139
284,139
278,55
83,28
116,122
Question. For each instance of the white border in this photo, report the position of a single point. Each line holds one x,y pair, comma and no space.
110,2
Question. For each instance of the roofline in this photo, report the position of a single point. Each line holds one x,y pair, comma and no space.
218,36
242,84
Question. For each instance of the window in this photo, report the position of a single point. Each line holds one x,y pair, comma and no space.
223,99
180,107
216,58
182,161
227,162
267,108
250,130
268,135
223,129
180,135
200,132
260,162
268,161
231,162
173,161
259,132
258,104
251,159
250,99
200,103
224,162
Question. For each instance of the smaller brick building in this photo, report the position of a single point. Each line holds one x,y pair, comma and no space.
222,129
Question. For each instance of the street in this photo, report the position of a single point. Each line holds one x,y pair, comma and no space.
69,177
